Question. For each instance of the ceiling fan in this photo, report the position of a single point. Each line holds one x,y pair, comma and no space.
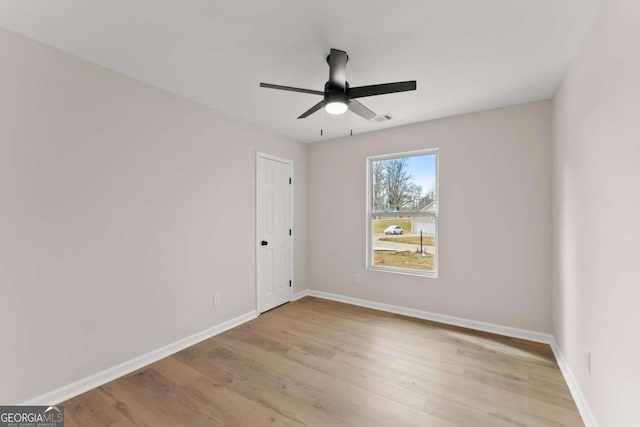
338,96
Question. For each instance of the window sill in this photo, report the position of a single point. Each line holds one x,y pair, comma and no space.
406,272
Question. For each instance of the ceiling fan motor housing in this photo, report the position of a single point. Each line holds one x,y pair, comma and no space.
334,93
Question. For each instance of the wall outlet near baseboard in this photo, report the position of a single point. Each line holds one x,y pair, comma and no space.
357,279
216,299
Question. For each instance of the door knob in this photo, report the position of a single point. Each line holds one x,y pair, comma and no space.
264,243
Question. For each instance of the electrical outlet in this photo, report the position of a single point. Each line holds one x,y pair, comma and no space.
357,279
216,299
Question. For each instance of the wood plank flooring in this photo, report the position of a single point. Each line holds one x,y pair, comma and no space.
321,363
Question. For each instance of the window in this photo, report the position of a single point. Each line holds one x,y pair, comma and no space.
402,213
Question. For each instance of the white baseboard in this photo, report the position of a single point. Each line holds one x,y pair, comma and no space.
303,293
583,407
437,317
96,380
576,392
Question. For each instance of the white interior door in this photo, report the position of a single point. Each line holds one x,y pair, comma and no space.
274,262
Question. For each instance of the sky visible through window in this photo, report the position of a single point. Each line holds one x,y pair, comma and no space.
423,170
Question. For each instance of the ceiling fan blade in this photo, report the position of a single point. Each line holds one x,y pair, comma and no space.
381,89
292,89
312,110
360,109
338,68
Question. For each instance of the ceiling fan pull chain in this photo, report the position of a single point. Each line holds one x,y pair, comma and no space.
350,119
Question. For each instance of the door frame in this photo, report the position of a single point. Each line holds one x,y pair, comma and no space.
262,155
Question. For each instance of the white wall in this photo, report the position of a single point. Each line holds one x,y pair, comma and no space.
122,209
596,212
495,217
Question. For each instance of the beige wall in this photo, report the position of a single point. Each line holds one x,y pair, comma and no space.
122,209
495,217
596,212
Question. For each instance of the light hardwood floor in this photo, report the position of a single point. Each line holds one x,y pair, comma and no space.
321,363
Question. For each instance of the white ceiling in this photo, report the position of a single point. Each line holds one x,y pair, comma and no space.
467,55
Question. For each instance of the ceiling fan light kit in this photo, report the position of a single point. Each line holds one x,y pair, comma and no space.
338,97
336,107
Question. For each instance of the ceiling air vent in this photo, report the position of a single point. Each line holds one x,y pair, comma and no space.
382,117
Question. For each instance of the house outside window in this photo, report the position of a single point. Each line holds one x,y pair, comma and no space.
402,213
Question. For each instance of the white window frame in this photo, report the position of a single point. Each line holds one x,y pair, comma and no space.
412,214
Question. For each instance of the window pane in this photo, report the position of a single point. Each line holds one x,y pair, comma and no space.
403,213
403,183
404,242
